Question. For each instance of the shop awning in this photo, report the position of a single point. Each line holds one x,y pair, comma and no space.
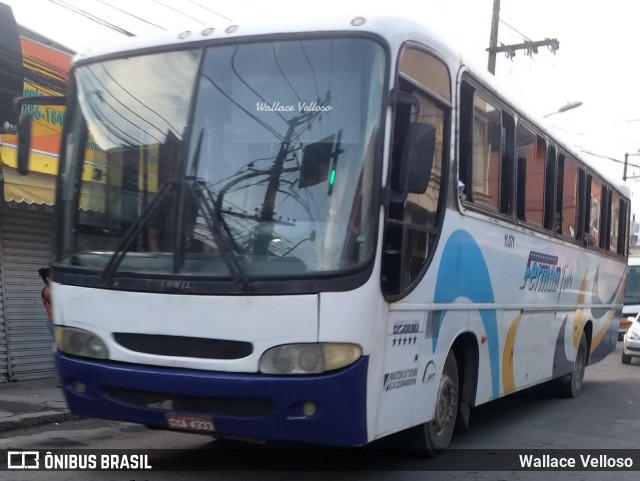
34,188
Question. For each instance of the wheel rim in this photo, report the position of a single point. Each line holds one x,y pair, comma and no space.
446,405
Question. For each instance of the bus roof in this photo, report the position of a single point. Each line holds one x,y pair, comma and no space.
392,28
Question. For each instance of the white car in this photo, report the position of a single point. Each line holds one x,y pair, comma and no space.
631,341
631,302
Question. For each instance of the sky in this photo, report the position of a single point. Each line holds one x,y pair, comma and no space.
597,62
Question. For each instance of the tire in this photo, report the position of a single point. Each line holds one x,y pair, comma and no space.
435,435
626,359
570,385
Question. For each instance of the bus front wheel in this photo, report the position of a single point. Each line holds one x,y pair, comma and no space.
437,433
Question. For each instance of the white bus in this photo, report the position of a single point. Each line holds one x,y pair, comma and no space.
261,234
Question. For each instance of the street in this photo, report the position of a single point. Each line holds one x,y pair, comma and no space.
606,415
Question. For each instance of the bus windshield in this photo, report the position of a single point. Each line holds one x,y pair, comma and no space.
247,160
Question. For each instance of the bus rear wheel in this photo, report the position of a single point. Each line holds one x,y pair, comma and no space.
571,385
437,433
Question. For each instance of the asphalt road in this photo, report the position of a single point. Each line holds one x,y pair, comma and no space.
605,416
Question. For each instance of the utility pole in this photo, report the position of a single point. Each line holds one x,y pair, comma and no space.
493,40
626,163
510,50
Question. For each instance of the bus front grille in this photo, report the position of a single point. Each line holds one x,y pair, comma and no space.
181,346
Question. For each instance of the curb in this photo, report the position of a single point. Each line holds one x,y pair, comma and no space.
27,420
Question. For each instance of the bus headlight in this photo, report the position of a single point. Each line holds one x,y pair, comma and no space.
308,358
79,342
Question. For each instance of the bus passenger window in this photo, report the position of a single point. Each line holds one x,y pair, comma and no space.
531,154
615,224
592,236
567,207
487,138
486,152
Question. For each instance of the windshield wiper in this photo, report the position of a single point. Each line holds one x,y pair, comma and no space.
214,222
132,232
220,235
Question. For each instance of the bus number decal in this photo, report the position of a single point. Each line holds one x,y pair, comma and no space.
509,241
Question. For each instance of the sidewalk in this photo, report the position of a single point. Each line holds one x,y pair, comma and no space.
30,403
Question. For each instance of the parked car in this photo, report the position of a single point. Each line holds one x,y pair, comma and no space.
631,341
631,303
625,322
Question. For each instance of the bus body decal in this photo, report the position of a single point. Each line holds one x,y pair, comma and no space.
561,363
599,312
508,376
599,350
474,284
580,319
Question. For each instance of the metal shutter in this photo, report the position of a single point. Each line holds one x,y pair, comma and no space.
26,246
4,364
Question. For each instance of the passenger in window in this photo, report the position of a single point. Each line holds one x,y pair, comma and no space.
461,195
589,240
558,223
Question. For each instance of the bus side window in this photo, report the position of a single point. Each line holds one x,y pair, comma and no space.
465,147
486,151
530,153
592,236
566,209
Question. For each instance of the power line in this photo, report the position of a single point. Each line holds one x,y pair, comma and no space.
515,30
477,11
212,11
606,157
92,17
178,11
130,14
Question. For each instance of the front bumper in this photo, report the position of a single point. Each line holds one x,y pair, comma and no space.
631,347
239,404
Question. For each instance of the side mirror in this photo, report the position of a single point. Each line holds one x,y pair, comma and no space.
24,142
25,122
416,161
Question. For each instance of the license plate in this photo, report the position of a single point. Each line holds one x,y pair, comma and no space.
181,422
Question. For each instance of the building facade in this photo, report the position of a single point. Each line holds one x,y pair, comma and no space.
30,65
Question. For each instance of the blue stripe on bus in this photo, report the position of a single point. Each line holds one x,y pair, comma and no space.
463,272
561,363
340,397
